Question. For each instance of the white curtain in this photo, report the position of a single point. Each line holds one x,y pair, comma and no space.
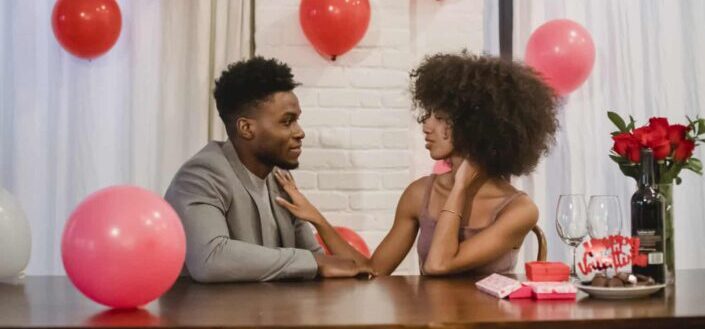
69,127
649,62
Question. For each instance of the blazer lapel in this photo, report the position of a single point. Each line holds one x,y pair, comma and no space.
281,215
229,150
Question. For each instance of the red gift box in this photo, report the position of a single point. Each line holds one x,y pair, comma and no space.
547,271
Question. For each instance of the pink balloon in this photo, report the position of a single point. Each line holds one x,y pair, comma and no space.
441,167
123,246
563,52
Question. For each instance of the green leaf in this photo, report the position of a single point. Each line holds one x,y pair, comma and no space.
631,124
678,181
695,164
630,170
701,126
617,120
615,133
619,159
669,173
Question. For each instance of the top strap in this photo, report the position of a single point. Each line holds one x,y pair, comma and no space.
427,195
504,204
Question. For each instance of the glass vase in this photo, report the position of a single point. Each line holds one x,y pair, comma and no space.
666,190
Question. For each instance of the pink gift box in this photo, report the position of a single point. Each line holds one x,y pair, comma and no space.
498,285
552,290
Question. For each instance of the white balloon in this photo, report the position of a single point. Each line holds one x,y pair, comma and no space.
15,237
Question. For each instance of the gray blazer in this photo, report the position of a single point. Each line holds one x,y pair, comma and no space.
225,239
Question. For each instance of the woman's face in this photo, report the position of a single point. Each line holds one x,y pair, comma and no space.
437,133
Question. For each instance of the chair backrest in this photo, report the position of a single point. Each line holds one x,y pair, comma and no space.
541,238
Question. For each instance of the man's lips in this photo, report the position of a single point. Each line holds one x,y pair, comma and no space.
295,149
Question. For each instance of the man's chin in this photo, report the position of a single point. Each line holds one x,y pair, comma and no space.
288,165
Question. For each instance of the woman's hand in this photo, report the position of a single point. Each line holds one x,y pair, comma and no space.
299,206
337,267
466,174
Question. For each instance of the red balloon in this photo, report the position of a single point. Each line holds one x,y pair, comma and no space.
123,246
334,26
563,52
86,28
351,237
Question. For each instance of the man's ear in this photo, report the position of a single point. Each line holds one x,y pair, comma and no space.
245,128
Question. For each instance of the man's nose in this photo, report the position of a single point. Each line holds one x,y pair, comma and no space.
299,132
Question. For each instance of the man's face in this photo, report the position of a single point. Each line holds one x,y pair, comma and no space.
278,136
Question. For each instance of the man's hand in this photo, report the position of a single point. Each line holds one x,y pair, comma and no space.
337,267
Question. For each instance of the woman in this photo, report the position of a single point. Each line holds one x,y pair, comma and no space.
491,119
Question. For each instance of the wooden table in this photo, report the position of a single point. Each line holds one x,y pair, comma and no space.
407,302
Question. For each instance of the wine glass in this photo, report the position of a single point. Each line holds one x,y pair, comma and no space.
571,223
604,217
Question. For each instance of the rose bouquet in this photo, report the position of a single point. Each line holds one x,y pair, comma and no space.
671,144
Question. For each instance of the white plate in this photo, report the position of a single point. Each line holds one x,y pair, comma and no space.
620,293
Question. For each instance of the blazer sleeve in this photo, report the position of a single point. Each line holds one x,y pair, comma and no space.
305,238
201,201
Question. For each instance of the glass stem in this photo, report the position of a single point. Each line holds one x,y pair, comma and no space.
572,265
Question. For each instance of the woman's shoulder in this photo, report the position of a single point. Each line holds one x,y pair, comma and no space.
415,192
418,186
523,208
421,185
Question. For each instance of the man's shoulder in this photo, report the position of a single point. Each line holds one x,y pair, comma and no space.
208,167
206,174
210,158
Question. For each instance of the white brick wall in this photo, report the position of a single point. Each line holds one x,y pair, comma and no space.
362,145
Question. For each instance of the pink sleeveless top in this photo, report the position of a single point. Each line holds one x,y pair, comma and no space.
427,225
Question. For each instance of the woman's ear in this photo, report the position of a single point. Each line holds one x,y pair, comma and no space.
446,132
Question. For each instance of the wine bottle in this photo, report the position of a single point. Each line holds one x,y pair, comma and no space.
648,210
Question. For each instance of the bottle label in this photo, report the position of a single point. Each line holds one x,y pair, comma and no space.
649,240
655,258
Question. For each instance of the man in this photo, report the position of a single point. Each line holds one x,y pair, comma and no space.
225,194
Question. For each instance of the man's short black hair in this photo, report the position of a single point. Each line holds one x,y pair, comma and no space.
246,83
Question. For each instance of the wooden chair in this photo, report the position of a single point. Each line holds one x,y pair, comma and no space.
541,238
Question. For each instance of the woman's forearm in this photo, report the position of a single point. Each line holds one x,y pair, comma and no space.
336,244
444,245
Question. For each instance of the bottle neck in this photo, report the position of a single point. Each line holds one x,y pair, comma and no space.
647,169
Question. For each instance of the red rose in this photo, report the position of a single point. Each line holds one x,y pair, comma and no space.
634,152
684,150
661,149
676,134
659,125
643,135
622,143
652,137
626,145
